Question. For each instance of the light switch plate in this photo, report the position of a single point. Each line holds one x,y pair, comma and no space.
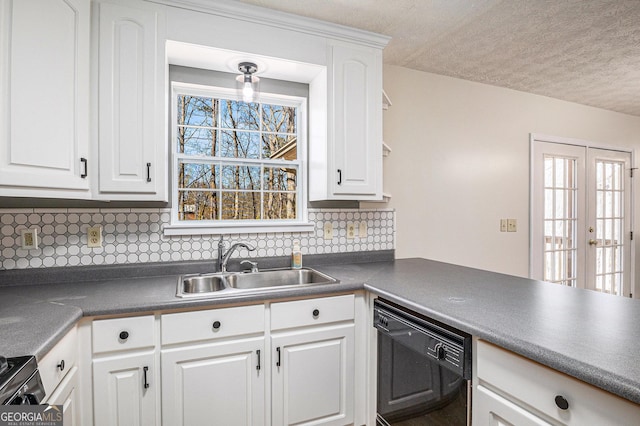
94,236
328,231
363,229
512,225
29,239
351,231
503,225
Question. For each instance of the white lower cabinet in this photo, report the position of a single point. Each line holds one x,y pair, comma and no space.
125,373
213,367
214,384
280,363
60,376
231,366
66,394
513,390
124,390
492,409
313,376
313,350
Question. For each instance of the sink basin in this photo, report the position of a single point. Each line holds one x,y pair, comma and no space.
278,278
203,285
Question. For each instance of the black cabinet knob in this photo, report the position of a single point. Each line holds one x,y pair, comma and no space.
316,312
216,325
124,335
561,402
61,365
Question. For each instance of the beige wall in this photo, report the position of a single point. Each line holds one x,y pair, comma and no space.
460,162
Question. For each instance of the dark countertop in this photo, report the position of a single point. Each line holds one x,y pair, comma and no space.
33,317
591,336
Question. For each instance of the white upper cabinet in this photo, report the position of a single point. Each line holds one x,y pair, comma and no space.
347,163
44,98
132,144
355,123
74,71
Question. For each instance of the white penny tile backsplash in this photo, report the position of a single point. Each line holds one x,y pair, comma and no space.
136,235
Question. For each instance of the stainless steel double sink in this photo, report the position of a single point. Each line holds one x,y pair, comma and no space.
227,283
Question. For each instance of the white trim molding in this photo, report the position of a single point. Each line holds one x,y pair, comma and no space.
283,20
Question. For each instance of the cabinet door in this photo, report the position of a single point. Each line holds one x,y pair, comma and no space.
221,384
132,142
66,394
313,376
44,98
357,122
124,390
490,409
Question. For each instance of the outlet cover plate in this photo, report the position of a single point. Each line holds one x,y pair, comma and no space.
29,240
351,230
328,231
94,236
363,229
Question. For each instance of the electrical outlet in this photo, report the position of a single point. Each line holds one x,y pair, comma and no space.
363,229
328,231
503,225
30,239
94,236
351,231
512,225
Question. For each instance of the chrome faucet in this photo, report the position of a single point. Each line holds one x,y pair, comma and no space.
223,258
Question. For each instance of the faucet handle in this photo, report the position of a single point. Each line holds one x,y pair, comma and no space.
254,265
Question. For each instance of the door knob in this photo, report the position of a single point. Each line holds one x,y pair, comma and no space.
593,242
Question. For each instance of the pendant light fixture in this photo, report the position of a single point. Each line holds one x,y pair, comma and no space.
248,83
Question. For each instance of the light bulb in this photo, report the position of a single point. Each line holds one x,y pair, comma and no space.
247,91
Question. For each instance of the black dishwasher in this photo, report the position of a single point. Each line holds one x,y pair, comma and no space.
424,369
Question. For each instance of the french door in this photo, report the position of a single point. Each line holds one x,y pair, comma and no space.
581,216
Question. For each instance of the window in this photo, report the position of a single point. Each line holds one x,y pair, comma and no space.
237,166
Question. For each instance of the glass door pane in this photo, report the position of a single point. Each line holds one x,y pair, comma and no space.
610,225
560,220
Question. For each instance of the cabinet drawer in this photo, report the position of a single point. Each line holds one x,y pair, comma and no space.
212,324
537,386
59,361
123,334
300,313
490,409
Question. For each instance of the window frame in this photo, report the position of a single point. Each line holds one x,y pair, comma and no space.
204,227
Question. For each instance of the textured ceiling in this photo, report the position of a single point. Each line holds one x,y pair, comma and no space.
585,51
